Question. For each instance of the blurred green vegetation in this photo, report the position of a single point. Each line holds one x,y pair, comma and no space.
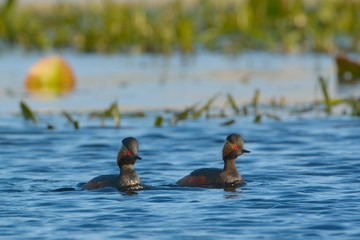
228,26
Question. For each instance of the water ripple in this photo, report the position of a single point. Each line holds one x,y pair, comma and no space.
302,181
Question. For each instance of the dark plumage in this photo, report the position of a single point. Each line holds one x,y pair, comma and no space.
127,179
218,178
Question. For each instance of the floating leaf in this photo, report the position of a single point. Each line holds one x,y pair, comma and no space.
228,123
273,116
159,121
27,112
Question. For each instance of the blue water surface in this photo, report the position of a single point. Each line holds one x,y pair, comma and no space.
302,177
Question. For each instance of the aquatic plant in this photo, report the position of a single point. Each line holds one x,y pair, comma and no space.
27,113
75,123
329,102
255,104
159,121
182,115
324,89
210,109
233,104
111,112
205,108
228,123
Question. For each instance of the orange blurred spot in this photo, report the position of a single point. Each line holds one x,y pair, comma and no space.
50,75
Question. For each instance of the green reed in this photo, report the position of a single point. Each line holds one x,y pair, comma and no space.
233,104
210,109
159,121
27,113
113,112
227,26
327,100
70,119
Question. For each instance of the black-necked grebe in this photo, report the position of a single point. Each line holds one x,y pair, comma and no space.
229,176
128,179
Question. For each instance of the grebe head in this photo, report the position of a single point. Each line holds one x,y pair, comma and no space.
233,147
128,153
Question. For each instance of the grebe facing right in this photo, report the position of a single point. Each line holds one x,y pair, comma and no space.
127,179
229,176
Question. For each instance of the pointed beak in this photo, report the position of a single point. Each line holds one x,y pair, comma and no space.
137,157
245,151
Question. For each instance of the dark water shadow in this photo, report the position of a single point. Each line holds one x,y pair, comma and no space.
168,187
64,189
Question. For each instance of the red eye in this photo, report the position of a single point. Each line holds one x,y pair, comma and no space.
235,147
128,153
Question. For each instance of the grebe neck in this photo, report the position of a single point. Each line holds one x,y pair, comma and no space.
230,166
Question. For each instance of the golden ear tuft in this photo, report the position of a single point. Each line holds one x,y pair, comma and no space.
228,148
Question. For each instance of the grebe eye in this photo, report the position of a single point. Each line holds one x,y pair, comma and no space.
128,153
235,147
